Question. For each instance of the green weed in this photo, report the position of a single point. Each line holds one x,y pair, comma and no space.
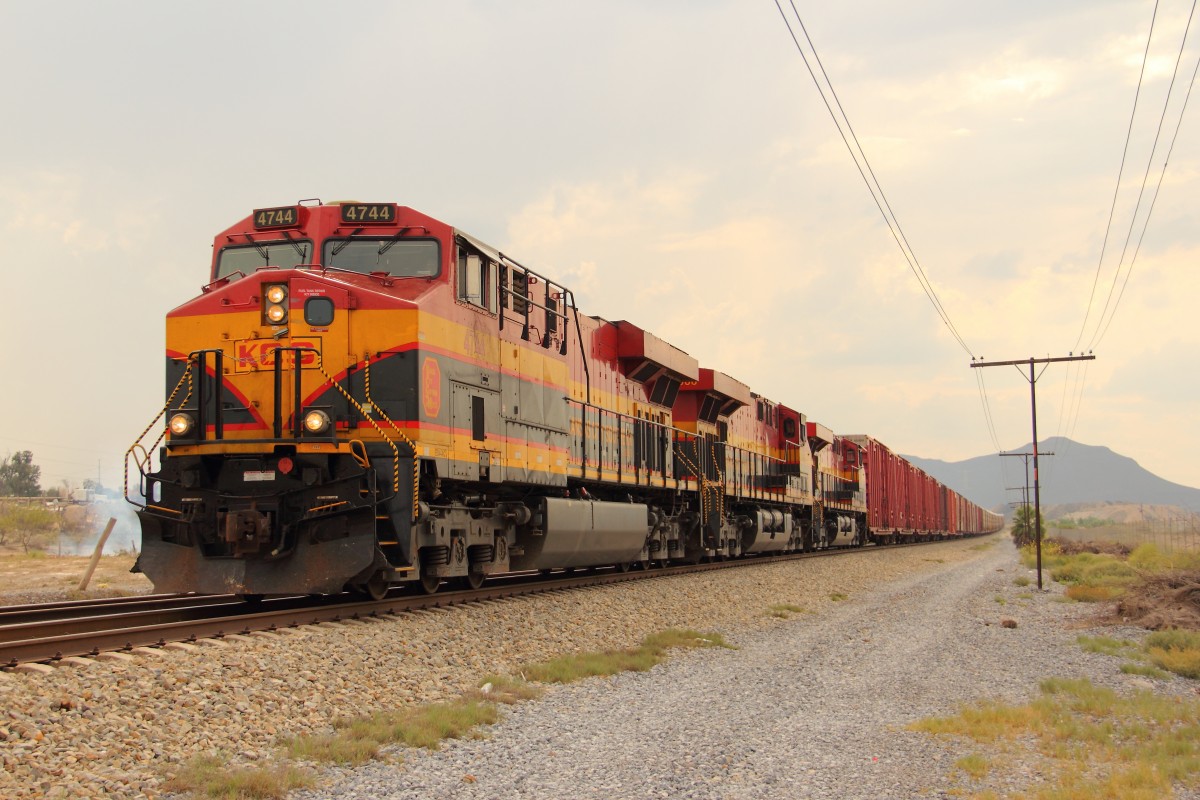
974,765
211,776
1103,744
785,610
1176,650
652,651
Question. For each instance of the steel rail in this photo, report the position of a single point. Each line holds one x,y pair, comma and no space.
86,636
67,609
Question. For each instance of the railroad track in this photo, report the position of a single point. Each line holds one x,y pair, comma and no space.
50,632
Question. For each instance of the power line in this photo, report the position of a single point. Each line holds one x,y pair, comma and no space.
872,183
1106,317
1078,401
1100,332
987,410
1116,189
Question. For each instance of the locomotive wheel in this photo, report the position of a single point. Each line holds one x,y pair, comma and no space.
624,566
430,583
474,579
377,587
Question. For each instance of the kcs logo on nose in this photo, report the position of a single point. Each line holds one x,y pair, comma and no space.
251,354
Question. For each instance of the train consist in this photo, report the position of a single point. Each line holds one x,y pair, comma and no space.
363,396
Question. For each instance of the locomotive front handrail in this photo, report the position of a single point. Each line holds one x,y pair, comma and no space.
140,454
297,421
199,360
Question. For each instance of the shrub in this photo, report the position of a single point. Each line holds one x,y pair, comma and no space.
1087,593
1149,558
1176,650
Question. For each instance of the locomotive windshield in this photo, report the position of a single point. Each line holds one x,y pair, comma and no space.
405,258
247,258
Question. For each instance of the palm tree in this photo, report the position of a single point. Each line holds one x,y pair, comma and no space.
1022,526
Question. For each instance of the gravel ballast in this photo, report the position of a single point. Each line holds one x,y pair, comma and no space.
809,706
815,707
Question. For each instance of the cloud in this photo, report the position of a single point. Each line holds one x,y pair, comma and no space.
1013,77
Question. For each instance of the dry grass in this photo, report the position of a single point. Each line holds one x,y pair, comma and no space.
1099,743
1177,651
57,577
1155,589
1084,593
359,739
1145,670
1173,650
652,652
211,776
974,765
506,690
785,610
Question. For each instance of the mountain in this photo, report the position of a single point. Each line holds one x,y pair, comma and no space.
1076,473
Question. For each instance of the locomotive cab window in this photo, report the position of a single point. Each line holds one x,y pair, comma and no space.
318,311
247,258
400,258
477,281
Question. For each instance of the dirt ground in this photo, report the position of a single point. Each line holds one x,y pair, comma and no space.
1169,600
46,577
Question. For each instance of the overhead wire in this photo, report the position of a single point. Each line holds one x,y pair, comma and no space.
1101,331
1120,172
1062,411
987,409
872,183
880,198
1106,316
1077,392
1079,400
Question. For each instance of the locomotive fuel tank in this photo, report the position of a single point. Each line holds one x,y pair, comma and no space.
582,533
770,531
843,530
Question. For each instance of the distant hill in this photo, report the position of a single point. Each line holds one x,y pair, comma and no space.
1077,473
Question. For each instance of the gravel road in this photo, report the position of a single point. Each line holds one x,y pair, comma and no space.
814,707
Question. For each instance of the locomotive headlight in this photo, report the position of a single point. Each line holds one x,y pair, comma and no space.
316,422
275,310
181,424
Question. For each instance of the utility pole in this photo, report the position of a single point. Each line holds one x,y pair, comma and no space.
1032,378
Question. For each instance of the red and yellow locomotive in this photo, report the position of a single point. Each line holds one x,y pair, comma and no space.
364,396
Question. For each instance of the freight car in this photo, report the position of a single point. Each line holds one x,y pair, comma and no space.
363,396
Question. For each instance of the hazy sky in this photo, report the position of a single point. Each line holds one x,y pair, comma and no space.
670,161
